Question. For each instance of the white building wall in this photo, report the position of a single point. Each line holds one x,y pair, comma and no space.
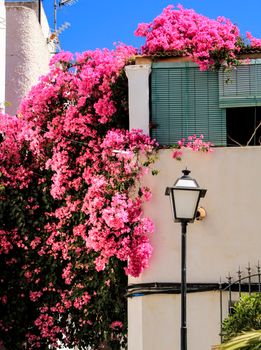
2,53
27,50
138,80
227,238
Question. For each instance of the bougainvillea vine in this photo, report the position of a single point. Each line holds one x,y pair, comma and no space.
183,32
72,223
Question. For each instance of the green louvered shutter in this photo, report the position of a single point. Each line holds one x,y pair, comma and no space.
185,101
241,87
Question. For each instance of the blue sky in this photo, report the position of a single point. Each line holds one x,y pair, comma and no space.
100,23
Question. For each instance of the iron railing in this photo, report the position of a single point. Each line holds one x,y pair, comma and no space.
247,280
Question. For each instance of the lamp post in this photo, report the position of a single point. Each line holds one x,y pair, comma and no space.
184,197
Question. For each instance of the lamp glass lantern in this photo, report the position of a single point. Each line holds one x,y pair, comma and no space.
184,197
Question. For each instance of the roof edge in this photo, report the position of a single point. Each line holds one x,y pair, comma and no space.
170,57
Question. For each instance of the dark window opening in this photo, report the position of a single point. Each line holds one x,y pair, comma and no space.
244,126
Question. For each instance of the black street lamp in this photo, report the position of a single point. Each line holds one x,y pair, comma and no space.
184,197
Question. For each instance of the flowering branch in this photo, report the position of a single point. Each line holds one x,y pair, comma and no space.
194,143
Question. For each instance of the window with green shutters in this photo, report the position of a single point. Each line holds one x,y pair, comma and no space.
240,94
241,87
185,101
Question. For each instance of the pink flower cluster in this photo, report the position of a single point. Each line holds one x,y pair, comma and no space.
191,34
193,143
9,239
254,42
116,324
12,169
81,301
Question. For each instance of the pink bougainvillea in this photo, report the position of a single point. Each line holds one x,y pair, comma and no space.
194,143
254,42
208,42
70,185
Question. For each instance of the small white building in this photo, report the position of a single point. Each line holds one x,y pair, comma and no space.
25,50
170,99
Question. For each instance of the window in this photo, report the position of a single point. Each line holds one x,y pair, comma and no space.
242,126
241,87
185,101
223,106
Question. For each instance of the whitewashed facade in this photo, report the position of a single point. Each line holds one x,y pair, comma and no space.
227,238
27,53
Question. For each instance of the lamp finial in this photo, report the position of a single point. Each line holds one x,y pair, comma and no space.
186,172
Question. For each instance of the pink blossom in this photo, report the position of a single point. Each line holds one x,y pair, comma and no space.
34,296
177,154
254,42
116,324
61,57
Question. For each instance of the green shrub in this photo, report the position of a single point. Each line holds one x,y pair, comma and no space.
246,316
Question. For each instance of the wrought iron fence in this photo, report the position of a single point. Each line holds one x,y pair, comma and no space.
247,280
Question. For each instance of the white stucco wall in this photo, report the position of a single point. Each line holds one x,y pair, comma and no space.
27,51
227,238
2,53
138,81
